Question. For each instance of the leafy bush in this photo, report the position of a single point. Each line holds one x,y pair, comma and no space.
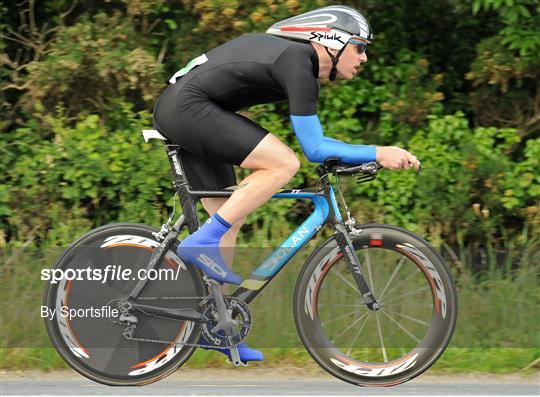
89,171
92,63
469,182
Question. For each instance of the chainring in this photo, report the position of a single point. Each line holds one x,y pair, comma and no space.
239,311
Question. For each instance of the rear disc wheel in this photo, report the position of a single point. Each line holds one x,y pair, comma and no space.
92,343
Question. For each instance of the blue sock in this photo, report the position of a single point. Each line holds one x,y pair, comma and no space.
222,221
202,250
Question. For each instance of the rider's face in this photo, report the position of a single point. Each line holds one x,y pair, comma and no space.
350,61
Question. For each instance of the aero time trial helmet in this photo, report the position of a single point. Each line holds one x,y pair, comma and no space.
332,26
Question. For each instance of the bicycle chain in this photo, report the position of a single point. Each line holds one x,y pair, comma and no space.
172,342
170,297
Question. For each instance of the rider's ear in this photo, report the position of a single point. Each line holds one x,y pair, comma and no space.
323,49
333,52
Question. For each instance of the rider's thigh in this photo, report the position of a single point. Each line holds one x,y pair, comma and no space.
271,153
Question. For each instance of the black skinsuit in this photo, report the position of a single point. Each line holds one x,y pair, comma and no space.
198,111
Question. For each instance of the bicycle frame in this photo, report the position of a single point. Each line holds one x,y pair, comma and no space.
273,264
326,211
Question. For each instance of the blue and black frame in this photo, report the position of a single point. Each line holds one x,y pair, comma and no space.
326,211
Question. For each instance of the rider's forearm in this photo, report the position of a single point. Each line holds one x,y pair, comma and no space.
317,147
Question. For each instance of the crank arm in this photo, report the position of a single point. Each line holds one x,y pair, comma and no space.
225,322
235,356
347,249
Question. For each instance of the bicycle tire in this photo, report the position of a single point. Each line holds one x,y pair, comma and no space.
84,344
389,240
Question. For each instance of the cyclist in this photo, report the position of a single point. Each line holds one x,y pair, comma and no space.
197,112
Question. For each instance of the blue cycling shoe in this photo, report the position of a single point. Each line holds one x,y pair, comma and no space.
201,249
246,353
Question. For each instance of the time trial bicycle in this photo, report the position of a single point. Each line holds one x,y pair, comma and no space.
374,305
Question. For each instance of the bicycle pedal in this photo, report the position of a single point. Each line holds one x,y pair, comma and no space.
241,363
209,281
235,357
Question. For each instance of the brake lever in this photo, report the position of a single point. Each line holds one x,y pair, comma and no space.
365,178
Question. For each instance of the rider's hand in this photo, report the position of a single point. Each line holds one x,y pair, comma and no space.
395,158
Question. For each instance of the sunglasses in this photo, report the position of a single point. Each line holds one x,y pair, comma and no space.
361,47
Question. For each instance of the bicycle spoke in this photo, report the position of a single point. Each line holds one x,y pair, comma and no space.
404,281
401,261
358,335
402,327
341,305
395,305
347,295
344,293
352,325
342,277
409,293
408,317
340,317
385,357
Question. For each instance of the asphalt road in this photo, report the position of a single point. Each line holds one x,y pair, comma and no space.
260,381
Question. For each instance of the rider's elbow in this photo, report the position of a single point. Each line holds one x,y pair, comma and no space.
313,156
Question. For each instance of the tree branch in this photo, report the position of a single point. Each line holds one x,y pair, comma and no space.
154,24
163,51
69,11
31,16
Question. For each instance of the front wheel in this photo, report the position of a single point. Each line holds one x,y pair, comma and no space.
385,347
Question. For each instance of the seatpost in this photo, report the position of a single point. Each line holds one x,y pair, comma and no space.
181,185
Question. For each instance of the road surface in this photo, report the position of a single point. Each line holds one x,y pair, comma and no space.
261,381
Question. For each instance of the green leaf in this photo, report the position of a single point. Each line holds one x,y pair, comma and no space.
171,23
524,11
476,6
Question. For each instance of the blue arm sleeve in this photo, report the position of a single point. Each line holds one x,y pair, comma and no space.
317,147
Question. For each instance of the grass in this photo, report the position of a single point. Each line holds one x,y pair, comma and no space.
497,330
522,361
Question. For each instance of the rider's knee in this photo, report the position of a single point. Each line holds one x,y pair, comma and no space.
289,165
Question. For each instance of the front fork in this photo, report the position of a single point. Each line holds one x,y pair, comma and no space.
345,244
349,253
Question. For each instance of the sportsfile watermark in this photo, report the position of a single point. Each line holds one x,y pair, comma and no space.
108,273
70,313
